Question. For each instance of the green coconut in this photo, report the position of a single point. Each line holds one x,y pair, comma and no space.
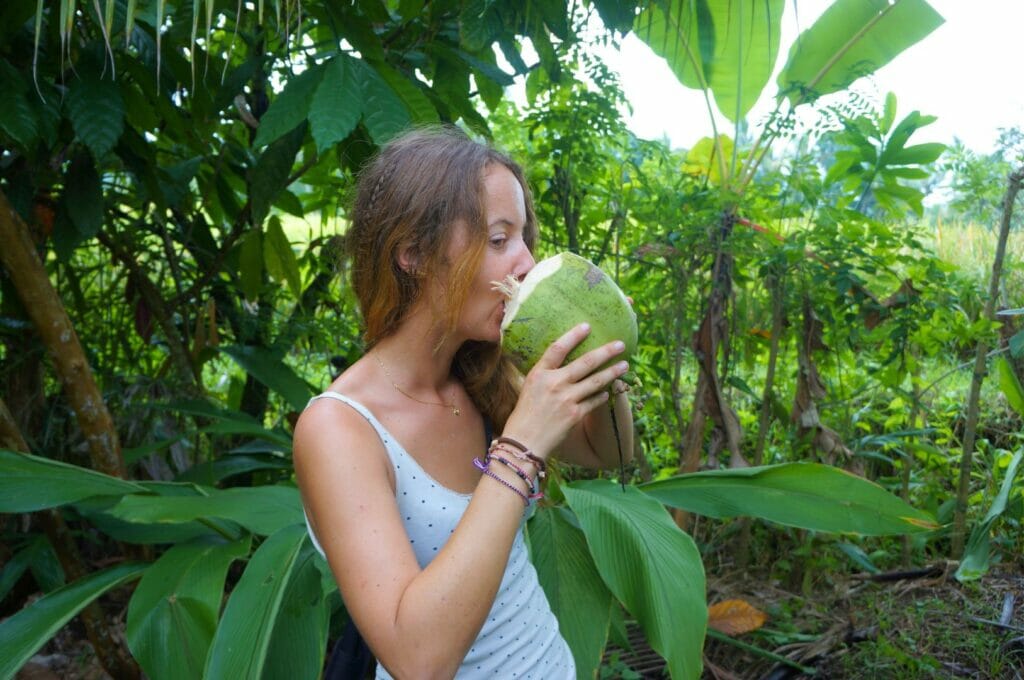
559,293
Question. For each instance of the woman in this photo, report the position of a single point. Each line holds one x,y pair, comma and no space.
419,515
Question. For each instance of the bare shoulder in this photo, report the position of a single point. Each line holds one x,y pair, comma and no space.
331,433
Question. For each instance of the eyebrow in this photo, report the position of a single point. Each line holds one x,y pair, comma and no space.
500,221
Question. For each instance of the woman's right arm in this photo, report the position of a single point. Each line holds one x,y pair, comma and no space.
422,622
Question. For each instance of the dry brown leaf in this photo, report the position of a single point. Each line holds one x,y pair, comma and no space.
735,617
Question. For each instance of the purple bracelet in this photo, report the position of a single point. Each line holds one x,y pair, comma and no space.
519,471
482,467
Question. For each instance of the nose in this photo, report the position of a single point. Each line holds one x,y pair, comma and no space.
524,265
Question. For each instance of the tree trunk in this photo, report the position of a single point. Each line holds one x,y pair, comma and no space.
44,307
964,484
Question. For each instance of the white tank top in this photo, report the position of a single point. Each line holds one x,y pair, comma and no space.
520,638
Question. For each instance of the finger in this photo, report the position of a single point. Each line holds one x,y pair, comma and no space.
629,299
583,366
554,356
600,381
592,402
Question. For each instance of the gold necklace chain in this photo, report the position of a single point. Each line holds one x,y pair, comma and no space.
452,406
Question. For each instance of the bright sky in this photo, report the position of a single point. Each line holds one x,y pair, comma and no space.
968,72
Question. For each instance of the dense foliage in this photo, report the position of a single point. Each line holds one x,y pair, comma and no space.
173,181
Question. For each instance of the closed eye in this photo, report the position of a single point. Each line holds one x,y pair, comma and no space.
498,241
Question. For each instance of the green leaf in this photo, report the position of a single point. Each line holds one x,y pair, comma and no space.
272,170
97,512
240,645
337,104
805,495
29,483
852,38
214,471
173,613
650,565
279,258
479,24
83,196
17,119
1009,384
299,641
290,108
268,368
25,632
262,510
919,154
250,265
410,93
579,598
975,561
1017,344
384,113
96,109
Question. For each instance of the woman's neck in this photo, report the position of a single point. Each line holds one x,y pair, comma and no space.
408,355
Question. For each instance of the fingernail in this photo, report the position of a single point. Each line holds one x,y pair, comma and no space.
619,345
585,326
623,366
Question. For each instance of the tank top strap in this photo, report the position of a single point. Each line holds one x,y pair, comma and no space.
359,408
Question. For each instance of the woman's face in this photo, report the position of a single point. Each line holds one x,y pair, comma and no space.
505,253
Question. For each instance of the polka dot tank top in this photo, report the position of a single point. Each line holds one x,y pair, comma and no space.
520,638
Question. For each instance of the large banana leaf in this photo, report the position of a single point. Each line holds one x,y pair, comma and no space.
727,47
173,613
239,649
650,565
806,495
263,510
299,641
24,633
269,369
579,598
29,483
852,38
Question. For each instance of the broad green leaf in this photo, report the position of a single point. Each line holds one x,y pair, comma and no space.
479,24
418,103
174,610
675,31
702,160
38,557
299,641
919,154
213,471
579,598
852,38
267,367
384,113
290,108
240,645
975,561
83,196
29,483
250,265
97,511
337,104
96,109
1010,385
272,171
204,409
652,566
262,510
805,495
279,258
25,632
17,119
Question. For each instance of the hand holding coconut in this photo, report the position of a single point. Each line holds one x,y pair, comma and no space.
556,398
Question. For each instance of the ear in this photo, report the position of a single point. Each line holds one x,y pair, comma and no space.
408,259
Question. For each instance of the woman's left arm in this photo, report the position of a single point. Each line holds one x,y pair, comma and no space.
592,443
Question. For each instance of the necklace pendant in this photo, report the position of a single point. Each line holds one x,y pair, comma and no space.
456,411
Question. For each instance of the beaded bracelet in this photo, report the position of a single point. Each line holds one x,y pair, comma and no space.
482,467
542,467
534,493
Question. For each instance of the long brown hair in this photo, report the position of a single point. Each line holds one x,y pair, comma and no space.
409,199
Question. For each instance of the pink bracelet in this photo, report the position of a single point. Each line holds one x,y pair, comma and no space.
482,467
534,493
516,449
